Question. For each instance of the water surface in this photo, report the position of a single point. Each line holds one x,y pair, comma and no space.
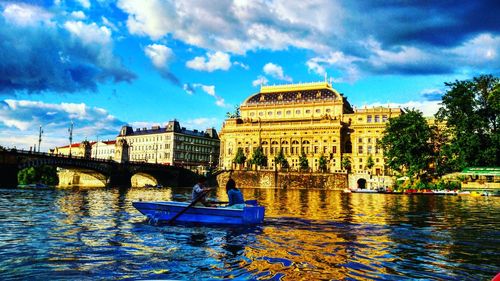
90,234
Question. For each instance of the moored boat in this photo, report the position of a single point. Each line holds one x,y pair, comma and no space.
252,213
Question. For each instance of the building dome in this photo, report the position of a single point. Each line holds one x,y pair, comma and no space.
294,93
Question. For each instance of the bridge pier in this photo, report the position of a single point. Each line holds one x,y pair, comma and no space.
120,179
8,174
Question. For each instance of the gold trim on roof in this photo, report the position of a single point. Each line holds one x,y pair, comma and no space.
295,87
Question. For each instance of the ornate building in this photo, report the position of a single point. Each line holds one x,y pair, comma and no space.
312,118
170,145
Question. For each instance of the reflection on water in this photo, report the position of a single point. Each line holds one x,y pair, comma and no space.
308,234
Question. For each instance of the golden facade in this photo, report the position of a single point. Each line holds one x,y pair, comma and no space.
313,118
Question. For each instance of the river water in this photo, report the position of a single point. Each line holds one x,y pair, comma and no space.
89,234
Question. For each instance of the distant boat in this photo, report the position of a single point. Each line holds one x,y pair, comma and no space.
252,213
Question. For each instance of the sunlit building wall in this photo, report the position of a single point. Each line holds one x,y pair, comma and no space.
313,118
170,145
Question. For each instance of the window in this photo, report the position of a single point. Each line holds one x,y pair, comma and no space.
377,118
384,118
252,113
318,110
308,111
369,149
360,140
261,113
278,113
334,149
360,149
328,110
369,140
369,119
297,111
288,112
270,113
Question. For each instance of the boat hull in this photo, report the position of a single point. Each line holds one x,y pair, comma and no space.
164,211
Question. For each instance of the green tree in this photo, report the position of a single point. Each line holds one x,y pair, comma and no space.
240,157
258,157
346,163
406,143
322,162
303,162
41,174
370,163
281,159
234,114
471,110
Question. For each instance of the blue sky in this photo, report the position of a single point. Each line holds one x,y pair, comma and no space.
106,63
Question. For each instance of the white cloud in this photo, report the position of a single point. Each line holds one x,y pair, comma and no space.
89,33
336,61
236,26
242,65
25,15
22,118
276,71
188,89
210,90
153,18
108,23
160,55
261,80
84,3
78,15
482,50
212,62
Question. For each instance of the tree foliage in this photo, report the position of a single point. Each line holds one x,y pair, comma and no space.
258,157
281,159
471,110
369,162
322,162
303,162
346,163
41,174
240,157
407,143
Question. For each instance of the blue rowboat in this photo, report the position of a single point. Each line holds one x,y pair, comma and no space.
156,212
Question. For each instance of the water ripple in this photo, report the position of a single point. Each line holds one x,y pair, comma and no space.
308,235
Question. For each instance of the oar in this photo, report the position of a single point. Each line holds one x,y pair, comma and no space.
196,200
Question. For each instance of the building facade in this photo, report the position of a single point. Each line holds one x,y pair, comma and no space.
169,145
103,149
82,149
310,118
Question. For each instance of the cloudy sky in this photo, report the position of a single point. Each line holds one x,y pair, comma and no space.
103,63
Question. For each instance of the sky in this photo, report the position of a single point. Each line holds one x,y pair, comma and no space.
103,64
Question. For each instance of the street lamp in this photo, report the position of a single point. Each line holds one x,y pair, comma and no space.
40,137
70,130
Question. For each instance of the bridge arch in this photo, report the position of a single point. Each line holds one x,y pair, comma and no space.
143,179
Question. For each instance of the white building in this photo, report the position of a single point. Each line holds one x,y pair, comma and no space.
171,145
103,150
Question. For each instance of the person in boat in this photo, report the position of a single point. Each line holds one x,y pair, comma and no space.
200,189
236,200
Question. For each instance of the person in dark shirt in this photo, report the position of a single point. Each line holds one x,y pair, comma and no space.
200,190
236,200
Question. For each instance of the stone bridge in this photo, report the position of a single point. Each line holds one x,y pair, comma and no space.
108,172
